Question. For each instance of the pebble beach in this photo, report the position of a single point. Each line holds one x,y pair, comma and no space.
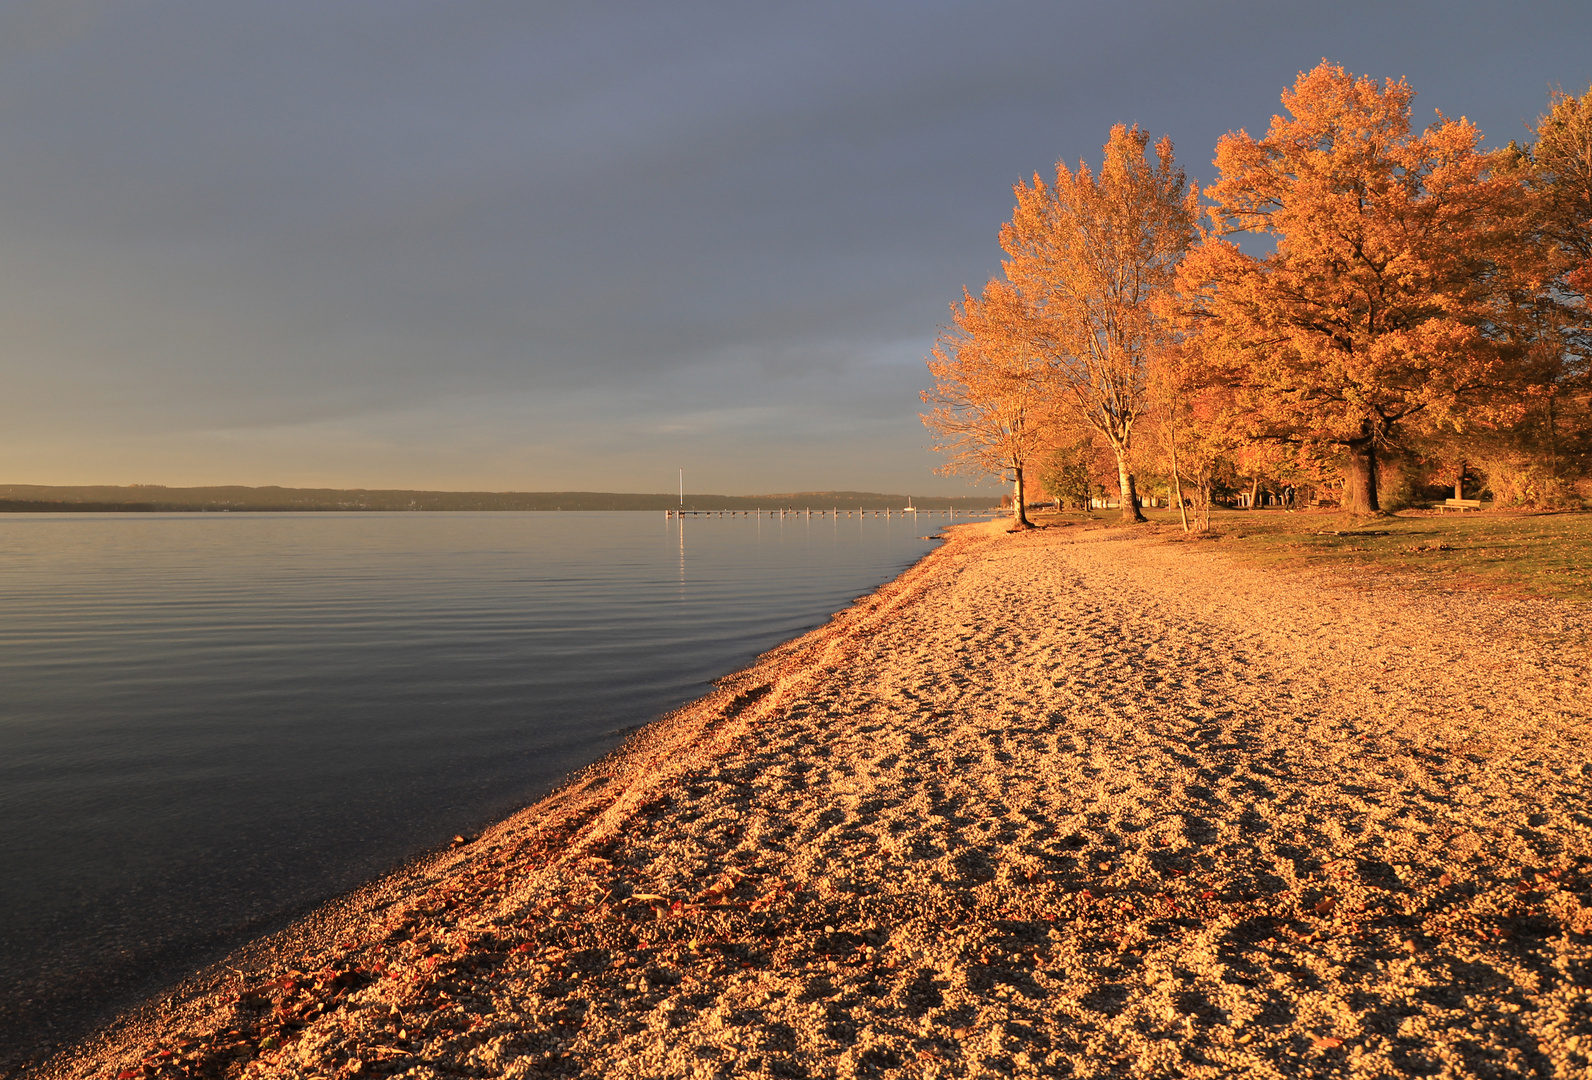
1072,802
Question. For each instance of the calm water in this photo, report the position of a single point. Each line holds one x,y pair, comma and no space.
209,722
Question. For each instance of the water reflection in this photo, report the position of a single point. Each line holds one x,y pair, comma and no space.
211,720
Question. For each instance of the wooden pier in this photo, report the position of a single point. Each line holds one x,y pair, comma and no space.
807,513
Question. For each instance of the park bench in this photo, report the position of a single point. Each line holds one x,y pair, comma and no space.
1461,504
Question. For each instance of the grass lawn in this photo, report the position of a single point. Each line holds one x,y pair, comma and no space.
1538,554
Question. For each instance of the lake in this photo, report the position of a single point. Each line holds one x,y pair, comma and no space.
210,723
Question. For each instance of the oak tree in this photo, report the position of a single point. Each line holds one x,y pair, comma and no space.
1384,304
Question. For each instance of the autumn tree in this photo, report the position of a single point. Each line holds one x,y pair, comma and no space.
1561,161
1558,167
1194,426
1086,255
1385,304
988,403
1203,431
1067,475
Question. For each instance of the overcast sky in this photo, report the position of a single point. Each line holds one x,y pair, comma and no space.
575,246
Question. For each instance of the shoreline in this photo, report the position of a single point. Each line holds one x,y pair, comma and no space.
317,936
138,905
1053,803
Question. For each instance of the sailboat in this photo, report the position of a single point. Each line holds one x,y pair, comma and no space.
910,508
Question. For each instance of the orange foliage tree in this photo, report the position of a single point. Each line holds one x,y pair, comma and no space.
988,404
1087,255
1537,458
1390,301
1196,423
1562,179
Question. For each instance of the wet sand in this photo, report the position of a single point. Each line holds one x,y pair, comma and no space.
1063,803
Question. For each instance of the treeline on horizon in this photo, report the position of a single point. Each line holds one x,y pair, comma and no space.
150,498
1408,316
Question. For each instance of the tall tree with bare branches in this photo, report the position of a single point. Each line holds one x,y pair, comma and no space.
1087,256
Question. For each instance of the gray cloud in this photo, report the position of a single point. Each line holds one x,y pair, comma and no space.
530,246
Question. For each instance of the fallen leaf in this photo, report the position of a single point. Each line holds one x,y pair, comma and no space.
1326,1042
1325,905
1445,881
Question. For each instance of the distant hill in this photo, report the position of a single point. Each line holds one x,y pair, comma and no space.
33,498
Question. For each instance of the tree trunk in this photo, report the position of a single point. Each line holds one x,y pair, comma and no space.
1130,495
1359,477
1459,482
1177,480
1019,498
1202,500
1553,441
1254,494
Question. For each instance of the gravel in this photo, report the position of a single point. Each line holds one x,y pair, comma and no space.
1057,803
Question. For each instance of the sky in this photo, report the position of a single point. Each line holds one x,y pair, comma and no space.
525,246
